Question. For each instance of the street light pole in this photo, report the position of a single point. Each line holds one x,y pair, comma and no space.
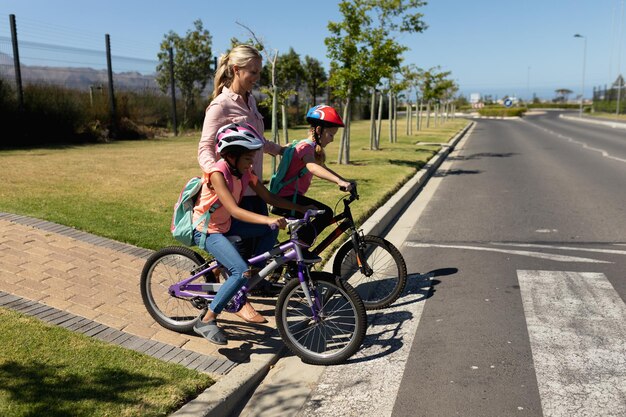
582,92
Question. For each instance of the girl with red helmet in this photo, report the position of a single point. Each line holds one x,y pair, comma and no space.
309,153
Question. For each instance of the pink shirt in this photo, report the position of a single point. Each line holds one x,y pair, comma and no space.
220,219
230,107
303,148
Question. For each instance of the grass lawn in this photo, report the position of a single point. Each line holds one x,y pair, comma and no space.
617,117
125,191
49,371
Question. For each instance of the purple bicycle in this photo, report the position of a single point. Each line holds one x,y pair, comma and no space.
320,317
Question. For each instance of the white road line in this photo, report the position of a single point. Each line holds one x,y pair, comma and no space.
548,256
577,327
531,245
583,144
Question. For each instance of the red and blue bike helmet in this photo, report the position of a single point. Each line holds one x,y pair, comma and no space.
324,116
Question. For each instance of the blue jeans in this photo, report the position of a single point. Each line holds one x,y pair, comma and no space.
226,254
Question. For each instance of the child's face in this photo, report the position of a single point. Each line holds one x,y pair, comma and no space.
245,161
328,135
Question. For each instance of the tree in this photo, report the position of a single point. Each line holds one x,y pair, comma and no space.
192,63
435,87
362,52
289,72
314,77
562,95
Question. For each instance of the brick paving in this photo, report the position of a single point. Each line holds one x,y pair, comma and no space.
90,284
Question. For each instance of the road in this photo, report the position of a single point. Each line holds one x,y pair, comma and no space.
516,305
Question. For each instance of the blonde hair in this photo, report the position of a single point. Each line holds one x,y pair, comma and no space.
240,55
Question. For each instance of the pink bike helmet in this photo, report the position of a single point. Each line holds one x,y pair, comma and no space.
238,136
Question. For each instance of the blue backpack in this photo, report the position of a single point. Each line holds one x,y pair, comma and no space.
182,226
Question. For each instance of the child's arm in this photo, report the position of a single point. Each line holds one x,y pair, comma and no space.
228,201
324,173
274,200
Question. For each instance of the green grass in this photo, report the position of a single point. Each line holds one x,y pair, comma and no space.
125,190
49,371
617,117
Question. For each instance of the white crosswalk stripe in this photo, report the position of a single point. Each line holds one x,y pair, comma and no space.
577,328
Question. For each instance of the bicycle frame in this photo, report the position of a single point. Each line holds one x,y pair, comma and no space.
344,223
279,255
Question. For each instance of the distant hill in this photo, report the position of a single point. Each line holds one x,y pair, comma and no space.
74,77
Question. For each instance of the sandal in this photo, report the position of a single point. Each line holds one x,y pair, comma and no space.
249,314
210,332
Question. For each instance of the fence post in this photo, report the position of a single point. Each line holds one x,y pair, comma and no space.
173,89
107,39
16,63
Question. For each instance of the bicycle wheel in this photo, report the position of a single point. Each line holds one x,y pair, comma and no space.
162,269
340,328
387,279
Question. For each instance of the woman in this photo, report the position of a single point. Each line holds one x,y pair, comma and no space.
232,102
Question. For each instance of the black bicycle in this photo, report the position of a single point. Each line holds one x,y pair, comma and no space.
372,265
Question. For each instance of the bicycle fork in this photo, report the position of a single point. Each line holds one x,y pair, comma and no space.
360,256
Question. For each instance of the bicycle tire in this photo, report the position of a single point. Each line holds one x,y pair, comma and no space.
389,276
163,268
334,338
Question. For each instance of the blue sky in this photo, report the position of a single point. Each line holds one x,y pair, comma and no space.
493,47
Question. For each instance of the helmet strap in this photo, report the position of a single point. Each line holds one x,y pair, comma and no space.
233,167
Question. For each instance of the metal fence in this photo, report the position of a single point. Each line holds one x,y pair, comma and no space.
60,56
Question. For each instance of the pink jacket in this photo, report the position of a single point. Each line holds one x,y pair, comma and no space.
229,107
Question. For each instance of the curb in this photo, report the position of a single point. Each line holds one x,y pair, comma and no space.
222,398
614,125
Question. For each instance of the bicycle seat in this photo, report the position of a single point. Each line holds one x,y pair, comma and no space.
234,239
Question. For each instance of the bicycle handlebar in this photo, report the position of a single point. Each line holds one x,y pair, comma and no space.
294,224
353,193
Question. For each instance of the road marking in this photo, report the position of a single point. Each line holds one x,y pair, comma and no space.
577,328
548,256
602,152
531,245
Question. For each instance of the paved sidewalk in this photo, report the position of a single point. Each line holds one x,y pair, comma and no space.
75,277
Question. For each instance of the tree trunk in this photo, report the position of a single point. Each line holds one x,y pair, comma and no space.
390,113
344,145
395,119
409,121
283,108
380,120
373,122
427,114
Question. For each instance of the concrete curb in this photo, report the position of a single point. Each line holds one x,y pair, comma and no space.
615,125
221,399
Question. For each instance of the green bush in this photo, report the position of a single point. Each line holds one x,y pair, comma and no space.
498,111
609,106
57,115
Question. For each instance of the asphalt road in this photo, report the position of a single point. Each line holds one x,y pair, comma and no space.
516,304
528,222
